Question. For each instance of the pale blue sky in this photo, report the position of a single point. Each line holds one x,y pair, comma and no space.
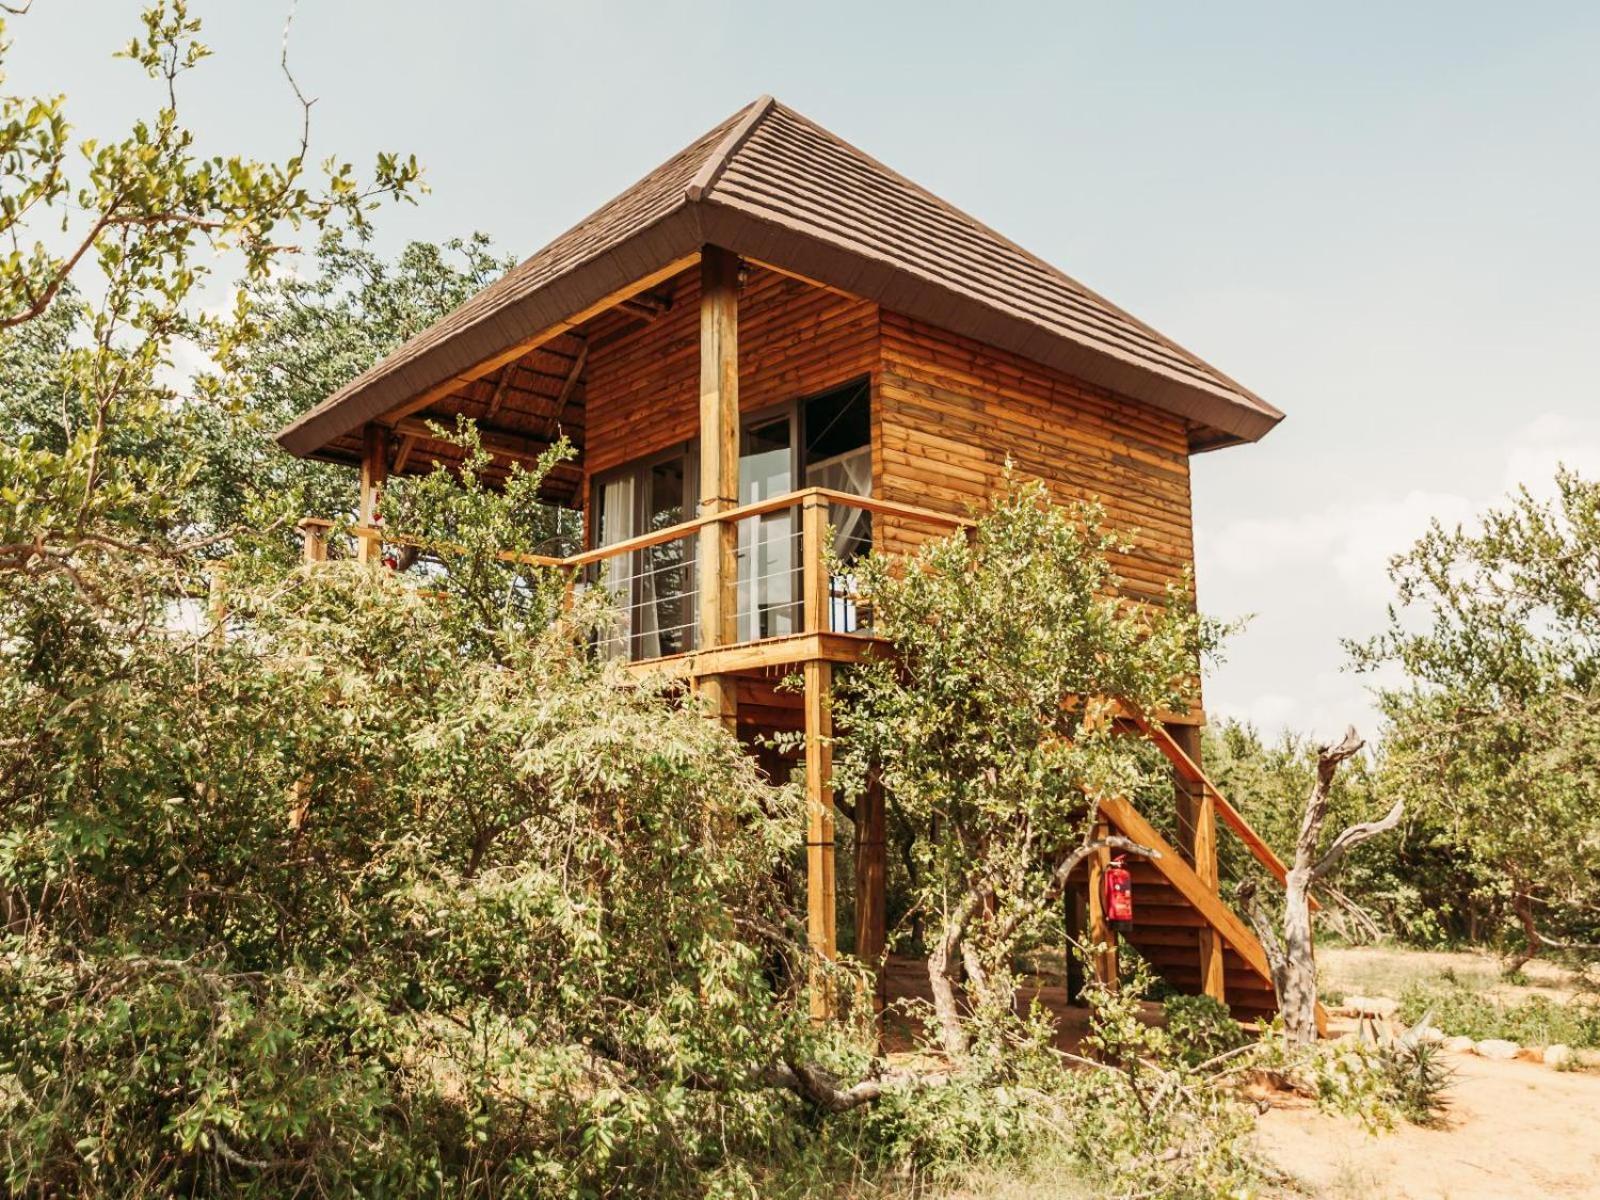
1380,217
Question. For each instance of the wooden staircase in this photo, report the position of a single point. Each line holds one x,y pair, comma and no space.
1176,911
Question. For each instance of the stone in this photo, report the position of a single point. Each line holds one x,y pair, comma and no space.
1496,1049
1370,1006
1428,1035
1559,1056
1458,1045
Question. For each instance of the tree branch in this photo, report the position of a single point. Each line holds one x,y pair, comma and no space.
1353,837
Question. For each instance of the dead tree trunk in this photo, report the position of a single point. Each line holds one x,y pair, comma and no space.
1292,958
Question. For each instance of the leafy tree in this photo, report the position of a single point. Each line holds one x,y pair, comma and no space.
988,726
315,332
1495,733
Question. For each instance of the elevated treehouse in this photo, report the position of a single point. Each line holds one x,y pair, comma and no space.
772,339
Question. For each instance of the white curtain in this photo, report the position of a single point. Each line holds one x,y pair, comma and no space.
616,525
850,472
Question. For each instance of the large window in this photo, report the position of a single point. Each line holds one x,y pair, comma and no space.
653,588
819,442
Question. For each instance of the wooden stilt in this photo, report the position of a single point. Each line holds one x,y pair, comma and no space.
1075,920
1197,819
314,539
1100,932
820,898
717,563
374,474
871,895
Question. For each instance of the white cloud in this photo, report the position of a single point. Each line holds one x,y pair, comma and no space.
1316,576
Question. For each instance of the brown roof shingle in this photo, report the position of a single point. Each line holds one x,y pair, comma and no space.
771,185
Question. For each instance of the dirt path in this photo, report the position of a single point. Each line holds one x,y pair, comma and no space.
1515,1131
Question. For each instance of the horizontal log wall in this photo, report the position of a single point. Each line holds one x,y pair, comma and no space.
795,340
948,412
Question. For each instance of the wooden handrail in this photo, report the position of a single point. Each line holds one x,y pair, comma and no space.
683,529
1231,817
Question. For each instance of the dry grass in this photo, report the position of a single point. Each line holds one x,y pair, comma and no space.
1386,971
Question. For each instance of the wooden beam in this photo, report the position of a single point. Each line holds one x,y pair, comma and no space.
567,388
765,655
717,564
500,387
374,474
821,902
550,332
314,539
408,443
815,600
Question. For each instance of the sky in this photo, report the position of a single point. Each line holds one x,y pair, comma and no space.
1379,217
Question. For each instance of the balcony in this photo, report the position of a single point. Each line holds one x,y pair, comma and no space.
793,591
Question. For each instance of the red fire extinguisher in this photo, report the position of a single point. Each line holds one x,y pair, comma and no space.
1118,897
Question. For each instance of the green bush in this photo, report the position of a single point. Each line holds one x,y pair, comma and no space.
1201,1028
1460,1011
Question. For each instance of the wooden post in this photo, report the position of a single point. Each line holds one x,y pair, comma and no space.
1100,931
717,563
314,539
374,474
1075,920
814,571
1197,819
871,894
820,905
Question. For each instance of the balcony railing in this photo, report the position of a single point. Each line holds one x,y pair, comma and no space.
795,574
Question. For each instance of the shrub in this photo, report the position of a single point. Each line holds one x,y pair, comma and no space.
1535,1021
1201,1028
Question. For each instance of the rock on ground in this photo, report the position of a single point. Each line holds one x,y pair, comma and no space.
1496,1049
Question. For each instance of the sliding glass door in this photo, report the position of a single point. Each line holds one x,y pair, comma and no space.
769,576
652,588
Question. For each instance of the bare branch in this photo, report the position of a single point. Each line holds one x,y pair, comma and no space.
1354,836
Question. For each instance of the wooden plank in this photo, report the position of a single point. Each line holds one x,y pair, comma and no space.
568,386
765,655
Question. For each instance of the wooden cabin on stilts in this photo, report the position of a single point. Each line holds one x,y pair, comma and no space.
771,341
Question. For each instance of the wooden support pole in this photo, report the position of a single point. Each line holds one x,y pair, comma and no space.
374,474
813,568
1100,932
717,562
1197,821
820,898
314,539
871,892
1075,918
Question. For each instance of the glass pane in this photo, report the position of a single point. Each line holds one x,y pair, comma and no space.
664,573
768,578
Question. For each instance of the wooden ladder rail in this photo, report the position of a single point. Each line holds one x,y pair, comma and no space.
1239,936
1191,773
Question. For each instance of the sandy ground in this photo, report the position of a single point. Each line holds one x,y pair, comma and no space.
1514,1130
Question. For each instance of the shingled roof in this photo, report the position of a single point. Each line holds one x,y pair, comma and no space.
772,186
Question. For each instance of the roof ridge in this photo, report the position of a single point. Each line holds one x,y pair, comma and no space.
717,161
